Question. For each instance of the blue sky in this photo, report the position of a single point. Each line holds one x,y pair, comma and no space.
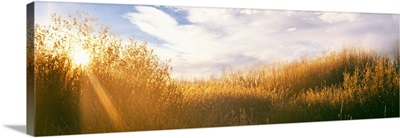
203,41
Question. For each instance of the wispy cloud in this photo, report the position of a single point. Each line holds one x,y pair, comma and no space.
218,38
339,17
291,29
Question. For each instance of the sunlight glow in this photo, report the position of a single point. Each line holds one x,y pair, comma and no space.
80,57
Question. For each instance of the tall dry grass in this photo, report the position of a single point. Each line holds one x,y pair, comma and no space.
126,87
135,81
350,84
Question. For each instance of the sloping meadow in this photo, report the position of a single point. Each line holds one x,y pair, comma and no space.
126,87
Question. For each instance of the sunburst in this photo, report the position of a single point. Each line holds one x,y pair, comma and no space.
80,57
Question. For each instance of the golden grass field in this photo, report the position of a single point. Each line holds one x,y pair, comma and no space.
87,81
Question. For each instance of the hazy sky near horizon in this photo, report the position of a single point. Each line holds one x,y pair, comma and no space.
203,41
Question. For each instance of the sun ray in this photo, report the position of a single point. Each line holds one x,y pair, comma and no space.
107,104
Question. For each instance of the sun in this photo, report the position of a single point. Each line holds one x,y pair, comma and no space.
80,57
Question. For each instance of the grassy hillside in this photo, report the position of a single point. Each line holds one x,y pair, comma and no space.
351,84
127,87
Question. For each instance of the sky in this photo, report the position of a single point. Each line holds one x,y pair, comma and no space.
202,41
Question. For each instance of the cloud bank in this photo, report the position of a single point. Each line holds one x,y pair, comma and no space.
212,39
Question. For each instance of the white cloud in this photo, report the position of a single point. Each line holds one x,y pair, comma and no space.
338,17
290,13
249,11
236,38
291,29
